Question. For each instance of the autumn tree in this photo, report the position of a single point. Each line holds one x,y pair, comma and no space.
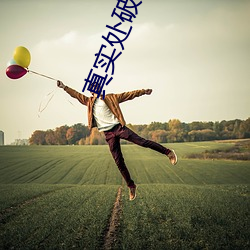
38,138
95,138
175,133
159,135
157,126
245,129
60,134
76,133
70,136
50,137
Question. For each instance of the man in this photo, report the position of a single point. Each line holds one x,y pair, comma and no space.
107,116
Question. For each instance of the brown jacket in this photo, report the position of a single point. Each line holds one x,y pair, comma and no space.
111,100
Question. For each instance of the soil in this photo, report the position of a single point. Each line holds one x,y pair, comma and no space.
112,231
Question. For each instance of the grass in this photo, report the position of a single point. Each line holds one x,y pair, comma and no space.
58,165
187,217
61,197
240,150
65,218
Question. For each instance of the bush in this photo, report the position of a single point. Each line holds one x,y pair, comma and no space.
240,151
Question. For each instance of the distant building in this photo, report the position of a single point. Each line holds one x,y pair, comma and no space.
1,138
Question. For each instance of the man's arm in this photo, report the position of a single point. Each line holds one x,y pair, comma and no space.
80,97
132,94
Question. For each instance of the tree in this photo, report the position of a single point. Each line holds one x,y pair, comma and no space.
82,142
202,135
96,137
236,128
185,130
76,133
38,138
60,134
70,136
159,135
196,126
175,133
145,133
50,137
245,129
217,129
81,131
157,125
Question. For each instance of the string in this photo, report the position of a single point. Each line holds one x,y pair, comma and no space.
51,78
50,96
71,103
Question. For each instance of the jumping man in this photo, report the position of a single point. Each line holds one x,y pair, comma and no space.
107,116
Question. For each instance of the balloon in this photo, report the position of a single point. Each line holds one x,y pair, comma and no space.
22,56
15,71
11,62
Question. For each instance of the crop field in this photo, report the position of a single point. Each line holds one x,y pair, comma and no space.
73,197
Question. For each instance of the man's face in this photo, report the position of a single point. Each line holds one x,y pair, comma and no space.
93,87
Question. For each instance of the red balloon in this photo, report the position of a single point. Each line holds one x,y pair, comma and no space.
15,71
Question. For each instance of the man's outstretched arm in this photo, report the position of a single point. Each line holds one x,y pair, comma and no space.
80,97
132,94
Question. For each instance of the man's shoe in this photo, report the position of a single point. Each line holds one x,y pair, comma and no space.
172,157
132,193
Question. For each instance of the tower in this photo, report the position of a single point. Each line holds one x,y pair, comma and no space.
1,138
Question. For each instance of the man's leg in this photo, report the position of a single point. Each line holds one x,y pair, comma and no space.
115,149
129,135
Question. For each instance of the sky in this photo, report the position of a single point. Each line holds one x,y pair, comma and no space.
194,54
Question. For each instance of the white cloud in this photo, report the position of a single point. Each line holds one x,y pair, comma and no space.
69,38
67,41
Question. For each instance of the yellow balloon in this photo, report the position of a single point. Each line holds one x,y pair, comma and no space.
22,56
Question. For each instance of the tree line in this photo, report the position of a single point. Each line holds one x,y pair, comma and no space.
172,131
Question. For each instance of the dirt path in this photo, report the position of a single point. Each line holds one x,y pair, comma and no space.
111,235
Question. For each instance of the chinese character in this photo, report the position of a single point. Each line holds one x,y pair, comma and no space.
127,15
117,38
96,83
111,59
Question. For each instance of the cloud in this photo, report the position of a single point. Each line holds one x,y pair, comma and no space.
69,38
67,41
71,50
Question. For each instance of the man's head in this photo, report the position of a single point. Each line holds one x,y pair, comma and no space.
94,89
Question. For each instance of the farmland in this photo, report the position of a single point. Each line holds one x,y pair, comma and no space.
62,197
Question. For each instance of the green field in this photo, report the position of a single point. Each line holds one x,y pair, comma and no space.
62,197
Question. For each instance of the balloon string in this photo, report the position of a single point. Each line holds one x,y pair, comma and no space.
50,96
41,75
71,103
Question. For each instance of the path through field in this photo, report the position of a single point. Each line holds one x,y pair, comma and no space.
112,231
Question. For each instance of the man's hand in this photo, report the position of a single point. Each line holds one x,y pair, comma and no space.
148,91
60,84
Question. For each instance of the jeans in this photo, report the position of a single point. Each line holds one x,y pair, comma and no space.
113,137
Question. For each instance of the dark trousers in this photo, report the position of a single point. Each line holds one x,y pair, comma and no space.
113,137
